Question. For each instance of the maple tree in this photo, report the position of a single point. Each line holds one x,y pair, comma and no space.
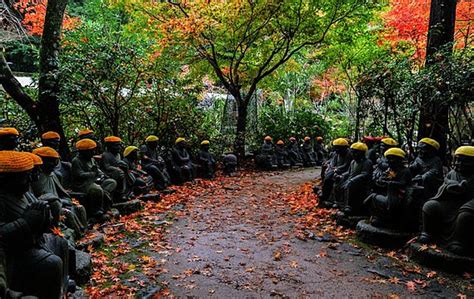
242,42
34,13
407,21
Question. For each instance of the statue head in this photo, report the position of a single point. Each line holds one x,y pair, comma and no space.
268,139
292,140
8,139
387,143
205,144
395,157
113,144
319,140
427,148
307,140
464,160
51,139
340,146
358,151
131,153
180,142
49,156
86,148
15,171
152,141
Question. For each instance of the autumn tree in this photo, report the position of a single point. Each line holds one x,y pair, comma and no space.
44,111
243,42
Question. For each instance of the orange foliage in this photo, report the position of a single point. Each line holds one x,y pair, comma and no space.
408,20
34,13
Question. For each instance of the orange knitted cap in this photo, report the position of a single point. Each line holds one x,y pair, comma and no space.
9,131
307,138
13,162
86,144
50,135
111,139
37,161
46,152
84,132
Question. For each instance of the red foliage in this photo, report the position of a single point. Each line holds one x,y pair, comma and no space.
34,13
408,20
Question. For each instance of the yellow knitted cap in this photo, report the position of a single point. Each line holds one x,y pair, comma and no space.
431,142
13,162
86,144
129,149
179,139
390,141
360,146
205,142
46,152
151,138
465,151
395,151
340,142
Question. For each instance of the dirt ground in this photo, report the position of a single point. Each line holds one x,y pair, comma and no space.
241,243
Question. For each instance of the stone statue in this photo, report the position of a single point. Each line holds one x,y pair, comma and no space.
381,164
48,183
206,161
114,167
137,181
89,179
36,262
448,219
386,205
335,167
294,153
153,163
355,183
309,156
230,164
320,151
267,159
183,168
427,169
281,155
63,169
8,139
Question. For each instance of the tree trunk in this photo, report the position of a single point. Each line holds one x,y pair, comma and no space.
434,117
241,131
48,94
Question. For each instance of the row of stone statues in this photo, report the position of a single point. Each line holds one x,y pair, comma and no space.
42,197
281,156
379,183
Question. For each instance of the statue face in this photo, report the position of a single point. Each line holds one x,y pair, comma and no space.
357,155
152,144
394,161
9,142
425,150
340,150
87,154
205,147
17,183
465,165
114,148
133,156
52,143
49,164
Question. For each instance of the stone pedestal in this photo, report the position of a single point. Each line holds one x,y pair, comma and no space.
83,267
128,207
383,237
93,239
348,221
440,258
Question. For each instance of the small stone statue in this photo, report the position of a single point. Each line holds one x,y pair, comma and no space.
154,164
48,183
309,156
337,165
137,181
448,219
8,139
63,169
230,164
89,179
282,155
294,153
427,169
36,262
206,162
320,151
381,165
355,183
114,167
267,159
183,168
386,206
